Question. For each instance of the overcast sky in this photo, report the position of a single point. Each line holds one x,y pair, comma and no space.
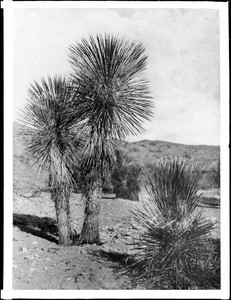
183,67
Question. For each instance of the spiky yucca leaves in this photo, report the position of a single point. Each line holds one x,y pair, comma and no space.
112,100
52,141
174,186
215,173
113,89
172,252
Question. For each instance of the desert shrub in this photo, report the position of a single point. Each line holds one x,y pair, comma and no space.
187,156
124,179
173,250
125,182
205,182
214,174
144,145
153,143
134,149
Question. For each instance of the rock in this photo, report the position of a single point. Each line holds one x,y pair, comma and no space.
111,228
139,287
104,236
35,243
69,283
23,249
52,250
116,236
135,226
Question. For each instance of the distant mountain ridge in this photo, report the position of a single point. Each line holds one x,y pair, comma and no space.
147,152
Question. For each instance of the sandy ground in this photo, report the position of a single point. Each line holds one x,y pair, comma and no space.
40,263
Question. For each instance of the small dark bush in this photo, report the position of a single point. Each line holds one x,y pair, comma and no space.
124,179
153,143
187,156
214,174
134,149
125,182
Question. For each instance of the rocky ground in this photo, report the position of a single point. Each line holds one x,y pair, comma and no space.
40,263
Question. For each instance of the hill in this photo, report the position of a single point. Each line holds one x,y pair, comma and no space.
144,152
147,152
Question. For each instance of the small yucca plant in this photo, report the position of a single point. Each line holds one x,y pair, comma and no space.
171,251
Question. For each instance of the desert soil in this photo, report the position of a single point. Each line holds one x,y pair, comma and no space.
40,263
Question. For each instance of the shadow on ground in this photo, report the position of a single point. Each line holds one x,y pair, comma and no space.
42,227
116,260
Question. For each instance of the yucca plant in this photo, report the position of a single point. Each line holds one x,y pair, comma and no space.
172,251
112,100
53,141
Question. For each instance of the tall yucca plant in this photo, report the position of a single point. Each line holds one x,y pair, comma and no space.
52,141
172,251
112,101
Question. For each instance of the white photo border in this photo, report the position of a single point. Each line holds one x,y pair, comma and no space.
8,292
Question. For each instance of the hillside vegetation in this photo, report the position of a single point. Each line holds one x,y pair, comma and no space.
147,152
143,152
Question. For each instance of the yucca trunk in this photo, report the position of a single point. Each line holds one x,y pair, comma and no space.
61,198
90,230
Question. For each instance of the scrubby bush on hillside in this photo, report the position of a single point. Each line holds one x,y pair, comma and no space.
126,184
173,250
124,179
214,174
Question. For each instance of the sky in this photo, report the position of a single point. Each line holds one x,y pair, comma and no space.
183,61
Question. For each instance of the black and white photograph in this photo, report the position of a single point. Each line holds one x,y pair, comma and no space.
116,177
